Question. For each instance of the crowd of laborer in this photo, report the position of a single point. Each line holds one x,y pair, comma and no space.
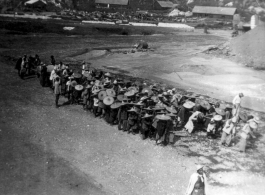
152,111
136,107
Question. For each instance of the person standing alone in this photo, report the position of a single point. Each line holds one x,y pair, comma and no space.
237,104
198,183
57,91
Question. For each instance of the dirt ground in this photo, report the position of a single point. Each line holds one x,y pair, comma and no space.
45,150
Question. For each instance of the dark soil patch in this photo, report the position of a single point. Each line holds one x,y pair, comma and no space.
117,69
83,51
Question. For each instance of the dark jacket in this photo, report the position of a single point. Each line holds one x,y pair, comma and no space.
18,64
113,115
123,113
161,127
146,124
133,118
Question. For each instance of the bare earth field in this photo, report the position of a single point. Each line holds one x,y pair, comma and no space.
45,150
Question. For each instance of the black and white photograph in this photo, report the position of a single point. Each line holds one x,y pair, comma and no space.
132,97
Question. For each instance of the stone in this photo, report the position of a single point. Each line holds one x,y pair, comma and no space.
205,160
241,167
218,166
217,158
229,164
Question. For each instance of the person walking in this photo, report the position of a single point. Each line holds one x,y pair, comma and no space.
37,61
57,91
198,182
30,65
52,77
237,104
245,134
43,75
53,60
229,131
23,66
18,66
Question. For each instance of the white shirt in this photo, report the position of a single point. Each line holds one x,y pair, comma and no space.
65,73
194,115
68,85
229,127
211,127
96,101
53,75
57,67
236,100
193,180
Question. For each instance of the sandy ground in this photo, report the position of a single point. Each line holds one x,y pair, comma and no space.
67,151
45,150
183,65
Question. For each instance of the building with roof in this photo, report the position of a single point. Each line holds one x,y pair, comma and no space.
112,3
150,4
40,4
226,13
163,5
135,4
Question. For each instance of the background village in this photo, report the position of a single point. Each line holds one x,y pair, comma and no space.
196,13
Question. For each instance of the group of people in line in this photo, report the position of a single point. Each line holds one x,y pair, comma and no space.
136,107
153,111
25,65
150,110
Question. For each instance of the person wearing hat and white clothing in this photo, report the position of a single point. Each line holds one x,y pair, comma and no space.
245,134
60,66
69,89
107,77
115,86
84,67
194,117
229,131
211,128
174,100
53,76
255,119
236,104
90,98
214,126
198,182
66,71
